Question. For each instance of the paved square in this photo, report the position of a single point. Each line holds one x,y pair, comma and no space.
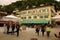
28,34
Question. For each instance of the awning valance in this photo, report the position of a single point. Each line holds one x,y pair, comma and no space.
33,21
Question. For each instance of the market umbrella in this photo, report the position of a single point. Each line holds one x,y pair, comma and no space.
56,17
11,17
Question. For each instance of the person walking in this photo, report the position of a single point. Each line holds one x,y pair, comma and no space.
42,29
13,28
5,28
18,28
37,31
8,26
48,29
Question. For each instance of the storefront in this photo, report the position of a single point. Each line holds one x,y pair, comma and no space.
2,14
2,23
31,23
34,22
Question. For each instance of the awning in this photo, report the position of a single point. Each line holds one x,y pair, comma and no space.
11,18
2,22
33,21
56,17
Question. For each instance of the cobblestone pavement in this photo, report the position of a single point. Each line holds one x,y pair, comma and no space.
28,34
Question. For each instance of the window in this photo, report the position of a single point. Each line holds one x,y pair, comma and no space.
46,16
23,17
29,11
40,10
35,16
43,10
29,17
24,12
18,13
41,16
33,11
47,10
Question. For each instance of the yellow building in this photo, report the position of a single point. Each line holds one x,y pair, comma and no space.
58,12
58,15
37,15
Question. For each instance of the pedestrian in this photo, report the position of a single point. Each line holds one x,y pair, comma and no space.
42,29
18,28
13,28
5,28
37,30
48,30
8,26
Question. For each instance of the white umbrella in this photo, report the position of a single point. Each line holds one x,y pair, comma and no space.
10,17
56,17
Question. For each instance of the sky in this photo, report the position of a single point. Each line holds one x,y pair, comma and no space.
58,0
7,2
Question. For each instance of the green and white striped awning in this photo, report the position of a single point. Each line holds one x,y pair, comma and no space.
33,21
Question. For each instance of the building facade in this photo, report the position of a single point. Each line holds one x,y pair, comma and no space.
37,15
58,15
58,12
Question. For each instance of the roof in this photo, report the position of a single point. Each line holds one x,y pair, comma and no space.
37,7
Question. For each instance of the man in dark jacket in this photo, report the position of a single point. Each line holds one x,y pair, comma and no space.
13,28
37,29
8,26
18,27
42,29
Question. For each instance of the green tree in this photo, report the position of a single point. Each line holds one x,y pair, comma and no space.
8,9
57,5
18,4
23,4
0,7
